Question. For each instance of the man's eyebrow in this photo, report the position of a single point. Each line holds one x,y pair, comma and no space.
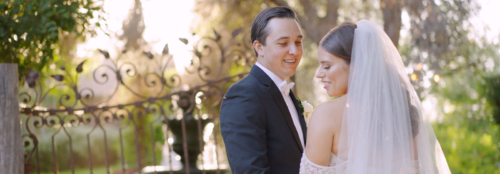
285,37
324,61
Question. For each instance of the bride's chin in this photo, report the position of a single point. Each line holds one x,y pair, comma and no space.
334,94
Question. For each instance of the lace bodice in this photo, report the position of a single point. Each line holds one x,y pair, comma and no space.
335,165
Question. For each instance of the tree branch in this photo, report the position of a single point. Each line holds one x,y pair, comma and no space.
280,3
309,11
332,15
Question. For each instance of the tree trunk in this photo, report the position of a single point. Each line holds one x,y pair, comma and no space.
315,27
391,10
11,148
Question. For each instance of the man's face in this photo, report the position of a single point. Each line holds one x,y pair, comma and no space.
283,49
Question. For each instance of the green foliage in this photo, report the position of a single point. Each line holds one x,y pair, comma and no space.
30,29
80,148
137,140
56,138
112,169
493,95
468,91
470,148
470,143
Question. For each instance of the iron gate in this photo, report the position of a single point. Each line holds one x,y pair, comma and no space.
132,108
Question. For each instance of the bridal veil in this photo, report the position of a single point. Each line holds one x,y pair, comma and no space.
383,129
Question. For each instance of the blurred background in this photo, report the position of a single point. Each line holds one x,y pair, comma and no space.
450,48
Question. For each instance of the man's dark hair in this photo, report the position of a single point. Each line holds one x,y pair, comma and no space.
259,31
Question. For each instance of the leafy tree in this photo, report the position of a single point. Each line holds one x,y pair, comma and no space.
467,132
493,96
30,30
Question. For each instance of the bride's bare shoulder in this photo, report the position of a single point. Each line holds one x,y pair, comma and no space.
328,113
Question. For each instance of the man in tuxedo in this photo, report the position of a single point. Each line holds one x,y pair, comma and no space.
261,123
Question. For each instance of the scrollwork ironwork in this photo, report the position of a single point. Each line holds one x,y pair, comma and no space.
162,98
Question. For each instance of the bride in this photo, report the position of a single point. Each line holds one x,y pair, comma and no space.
376,124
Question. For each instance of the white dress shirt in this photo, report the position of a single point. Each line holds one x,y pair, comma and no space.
288,101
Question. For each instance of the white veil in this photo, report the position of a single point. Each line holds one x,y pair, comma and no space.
383,129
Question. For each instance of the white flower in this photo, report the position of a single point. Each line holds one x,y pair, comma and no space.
308,109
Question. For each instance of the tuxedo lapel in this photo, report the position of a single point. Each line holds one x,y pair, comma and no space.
301,116
276,93
278,98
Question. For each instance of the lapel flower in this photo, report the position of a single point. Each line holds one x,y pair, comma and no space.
308,109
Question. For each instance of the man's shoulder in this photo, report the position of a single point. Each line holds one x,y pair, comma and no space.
243,94
248,83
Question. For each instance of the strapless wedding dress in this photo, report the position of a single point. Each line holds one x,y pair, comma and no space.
337,166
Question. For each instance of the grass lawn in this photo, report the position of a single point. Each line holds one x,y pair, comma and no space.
96,170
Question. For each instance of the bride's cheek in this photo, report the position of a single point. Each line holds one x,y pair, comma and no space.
333,71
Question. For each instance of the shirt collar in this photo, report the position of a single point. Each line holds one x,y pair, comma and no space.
271,75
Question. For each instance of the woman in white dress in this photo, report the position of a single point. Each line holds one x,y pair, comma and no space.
376,124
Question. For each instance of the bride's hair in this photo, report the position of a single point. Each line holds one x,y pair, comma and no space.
414,115
339,42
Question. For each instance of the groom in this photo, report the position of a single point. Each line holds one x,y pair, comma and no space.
261,122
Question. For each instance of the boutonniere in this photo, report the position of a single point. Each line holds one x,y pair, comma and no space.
305,108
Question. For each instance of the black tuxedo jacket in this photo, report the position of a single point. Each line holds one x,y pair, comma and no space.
257,128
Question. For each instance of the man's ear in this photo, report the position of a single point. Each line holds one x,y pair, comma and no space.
258,47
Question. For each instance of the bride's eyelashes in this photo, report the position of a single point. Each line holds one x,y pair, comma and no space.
325,66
